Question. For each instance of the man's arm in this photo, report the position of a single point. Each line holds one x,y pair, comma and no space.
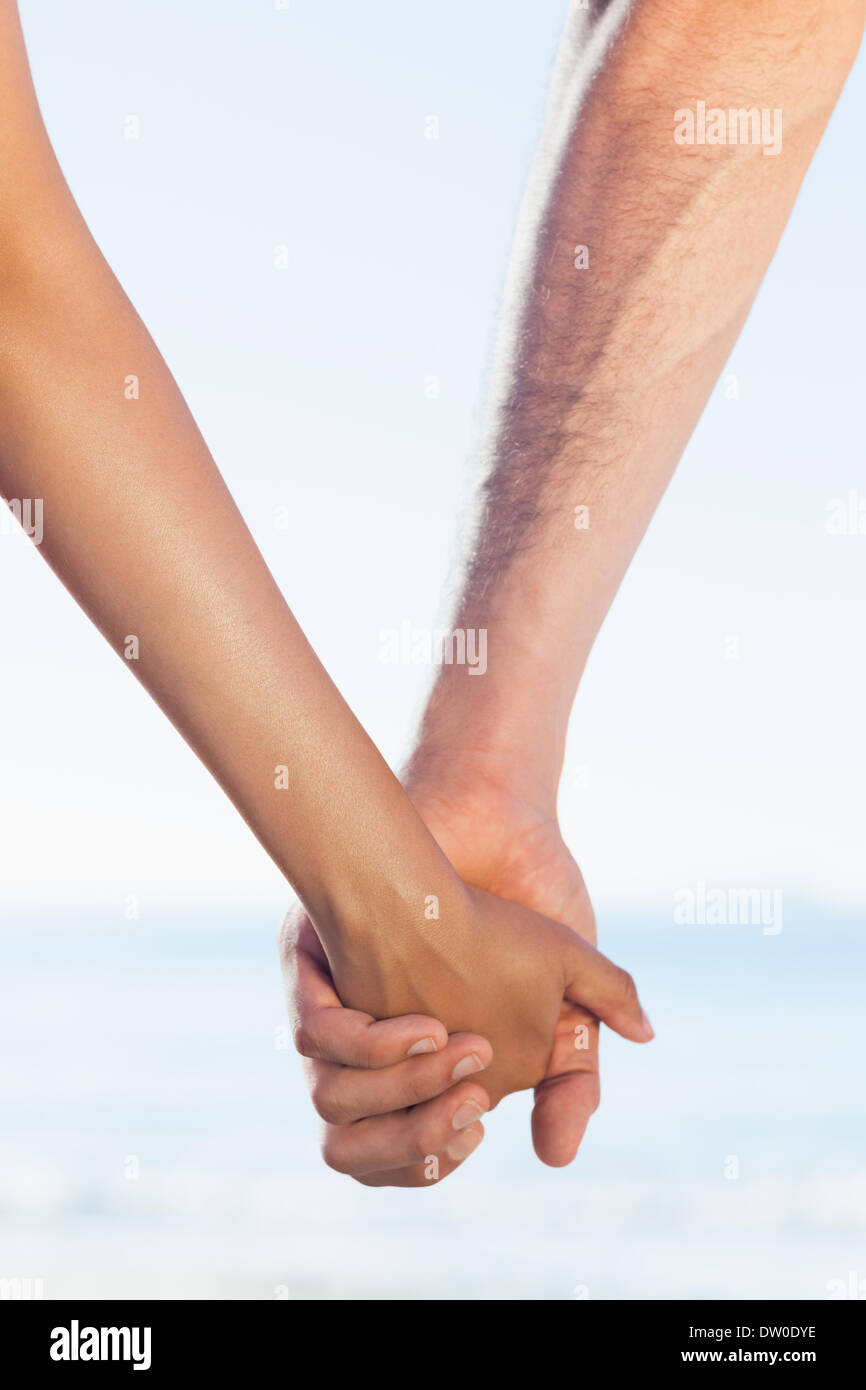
607,355
606,358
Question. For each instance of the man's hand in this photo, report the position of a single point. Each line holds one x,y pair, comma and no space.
506,844
389,1093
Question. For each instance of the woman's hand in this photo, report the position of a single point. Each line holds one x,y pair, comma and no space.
507,843
359,1137
487,965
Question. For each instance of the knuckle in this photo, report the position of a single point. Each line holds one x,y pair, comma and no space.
334,1152
303,1041
325,1103
417,1088
367,1055
427,1139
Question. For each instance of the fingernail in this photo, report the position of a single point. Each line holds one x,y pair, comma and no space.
464,1145
425,1045
649,1031
466,1066
466,1114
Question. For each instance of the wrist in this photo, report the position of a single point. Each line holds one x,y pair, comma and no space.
374,946
389,885
508,733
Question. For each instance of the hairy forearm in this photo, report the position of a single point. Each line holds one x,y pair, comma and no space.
635,264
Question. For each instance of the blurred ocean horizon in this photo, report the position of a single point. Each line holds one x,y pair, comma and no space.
157,1140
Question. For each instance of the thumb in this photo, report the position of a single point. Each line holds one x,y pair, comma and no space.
563,1107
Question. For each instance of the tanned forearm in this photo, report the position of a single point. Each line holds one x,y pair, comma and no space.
140,526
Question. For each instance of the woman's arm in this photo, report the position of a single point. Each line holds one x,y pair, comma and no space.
140,527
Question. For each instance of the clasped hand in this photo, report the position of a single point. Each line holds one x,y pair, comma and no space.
490,989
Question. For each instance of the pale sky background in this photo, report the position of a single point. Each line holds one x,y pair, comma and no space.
305,127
